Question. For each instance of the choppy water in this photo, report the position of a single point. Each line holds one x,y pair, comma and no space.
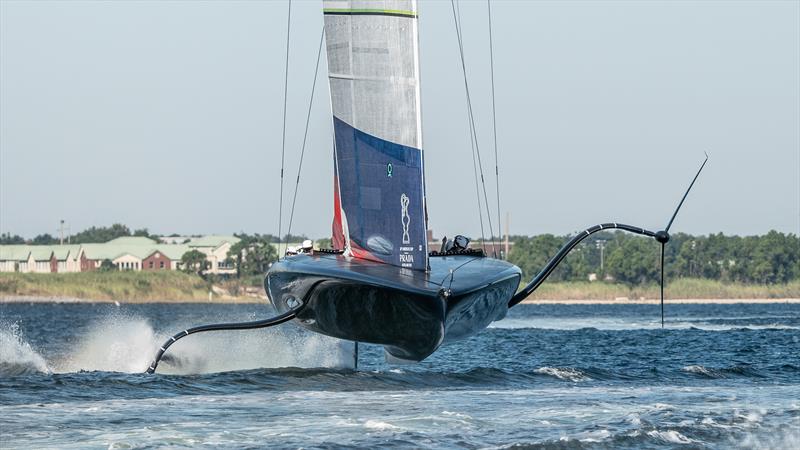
555,376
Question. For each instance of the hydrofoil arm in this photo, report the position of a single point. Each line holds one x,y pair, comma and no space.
564,251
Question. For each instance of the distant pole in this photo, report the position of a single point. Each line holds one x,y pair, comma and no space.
61,233
508,220
601,244
602,248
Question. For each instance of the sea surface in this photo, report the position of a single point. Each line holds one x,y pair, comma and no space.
548,376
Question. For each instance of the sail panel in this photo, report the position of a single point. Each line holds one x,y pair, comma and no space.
373,68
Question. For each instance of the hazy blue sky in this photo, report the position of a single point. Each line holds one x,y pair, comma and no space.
167,115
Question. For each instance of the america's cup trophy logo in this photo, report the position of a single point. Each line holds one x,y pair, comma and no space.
405,219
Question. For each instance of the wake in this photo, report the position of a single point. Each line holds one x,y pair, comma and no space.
17,357
128,344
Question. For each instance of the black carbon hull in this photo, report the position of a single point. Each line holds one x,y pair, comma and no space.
410,313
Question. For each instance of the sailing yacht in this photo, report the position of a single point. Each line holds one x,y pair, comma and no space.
381,284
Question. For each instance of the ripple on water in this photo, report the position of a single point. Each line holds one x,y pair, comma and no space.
630,387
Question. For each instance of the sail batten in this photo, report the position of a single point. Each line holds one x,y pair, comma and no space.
373,63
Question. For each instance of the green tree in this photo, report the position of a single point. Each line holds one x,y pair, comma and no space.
532,253
252,255
634,260
775,258
143,232
8,239
290,238
107,266
101,234
770,258
44,239
194,261
324,243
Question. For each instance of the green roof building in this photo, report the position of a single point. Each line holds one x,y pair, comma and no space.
126,253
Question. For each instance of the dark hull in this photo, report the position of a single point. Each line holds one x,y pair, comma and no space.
410,313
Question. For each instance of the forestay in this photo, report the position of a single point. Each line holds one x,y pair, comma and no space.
379,195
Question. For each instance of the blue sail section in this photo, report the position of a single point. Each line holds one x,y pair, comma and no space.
382,198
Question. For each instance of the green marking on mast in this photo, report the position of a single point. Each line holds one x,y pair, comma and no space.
373,12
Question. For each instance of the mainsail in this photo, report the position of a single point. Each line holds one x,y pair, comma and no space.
373,70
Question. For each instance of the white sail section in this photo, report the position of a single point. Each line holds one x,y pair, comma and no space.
373,65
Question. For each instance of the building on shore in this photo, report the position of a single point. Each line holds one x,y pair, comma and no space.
163,258
216,248
124,253
41,259
65,258
14,258
132,253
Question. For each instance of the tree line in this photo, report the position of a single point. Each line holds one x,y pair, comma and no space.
104,234
88,236
766,259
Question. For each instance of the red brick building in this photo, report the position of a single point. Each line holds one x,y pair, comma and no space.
86,263
156,261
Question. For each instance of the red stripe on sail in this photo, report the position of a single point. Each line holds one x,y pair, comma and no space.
337,240
359,252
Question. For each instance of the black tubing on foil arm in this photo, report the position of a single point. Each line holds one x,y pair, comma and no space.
272,321
565,249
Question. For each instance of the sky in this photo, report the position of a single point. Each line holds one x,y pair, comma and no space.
168,115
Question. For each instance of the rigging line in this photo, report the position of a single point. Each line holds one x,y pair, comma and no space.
478,191
474,132
305,133
494,122
473,128
283,134
456,20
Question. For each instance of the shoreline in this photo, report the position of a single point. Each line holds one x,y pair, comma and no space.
263,300
179,287
215,300
676,301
